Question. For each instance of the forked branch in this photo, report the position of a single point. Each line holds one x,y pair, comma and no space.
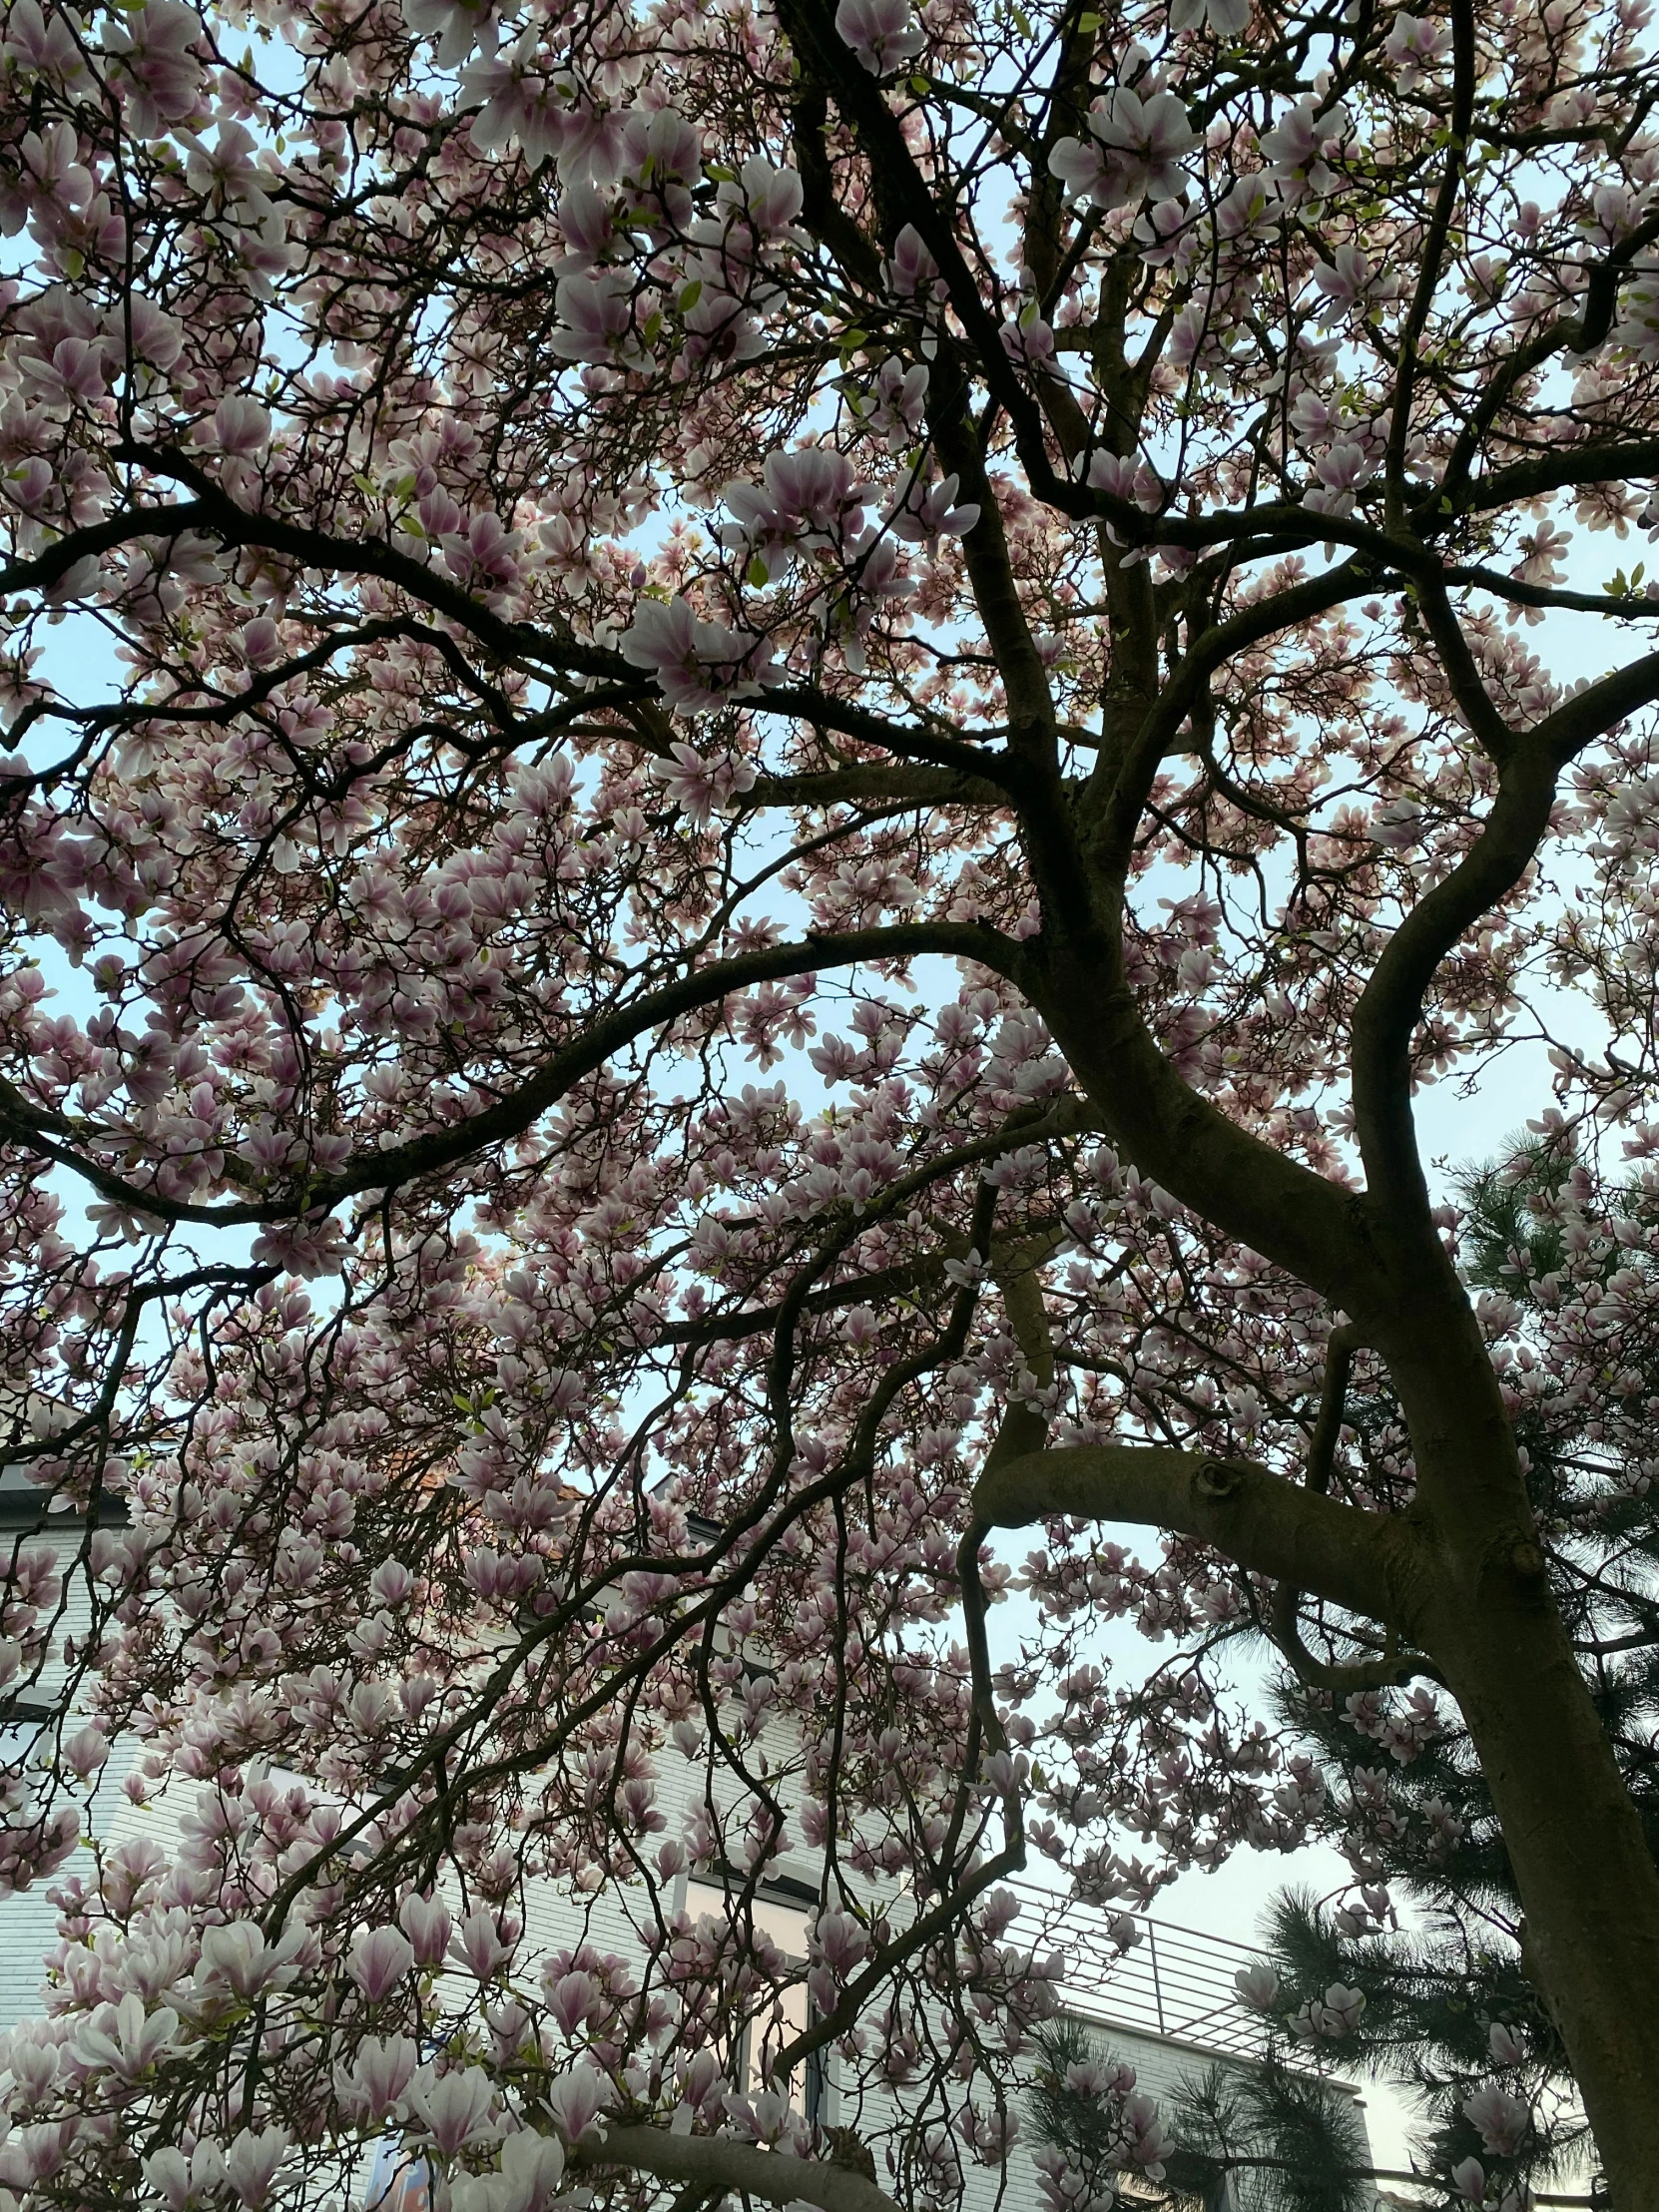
1394,1665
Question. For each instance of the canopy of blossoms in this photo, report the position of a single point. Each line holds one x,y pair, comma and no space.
753,751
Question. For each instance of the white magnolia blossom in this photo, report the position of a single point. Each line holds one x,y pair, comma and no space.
1257,1986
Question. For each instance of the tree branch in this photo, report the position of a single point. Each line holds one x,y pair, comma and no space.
864,780
1391,1003
716,2162
1265,1524
514,1113
1433,252
1492,733
1393,1666
1589,713
1603,462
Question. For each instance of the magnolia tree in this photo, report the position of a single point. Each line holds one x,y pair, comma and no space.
753,755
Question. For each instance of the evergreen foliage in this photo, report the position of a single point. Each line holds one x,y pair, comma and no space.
1267,2137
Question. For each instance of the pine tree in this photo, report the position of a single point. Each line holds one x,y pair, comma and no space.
1435,1942
1268,2137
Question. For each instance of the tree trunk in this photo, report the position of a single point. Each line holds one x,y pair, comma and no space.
1473,1591
1588,1883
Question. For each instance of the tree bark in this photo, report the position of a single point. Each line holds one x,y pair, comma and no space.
1588,1884
726,2164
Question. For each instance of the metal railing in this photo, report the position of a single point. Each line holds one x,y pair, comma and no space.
1177,1984
1169,1982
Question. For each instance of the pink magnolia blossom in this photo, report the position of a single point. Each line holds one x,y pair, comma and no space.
458,26
912,269
72,373
527,1215
585,217
1298,148
1135,150
1224,18
1337,2017
575,2101
1341,473
238,1958
882,33
252,2160
839,1940
696,664
520,102
154,67
479,1945
662,157
229,172
929,511
381,1958
1415,46
393,1583
34,2066
156,337
767,199
572,2000
532,2166
241,425
453,2108
702,785
127,2039
1348,280
1502,2119
597,320
42,44
262,641
378,2076
897,401
183,2181
1030,342
86,1751
57,177
805,498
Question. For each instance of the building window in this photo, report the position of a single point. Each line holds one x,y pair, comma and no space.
780,1910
